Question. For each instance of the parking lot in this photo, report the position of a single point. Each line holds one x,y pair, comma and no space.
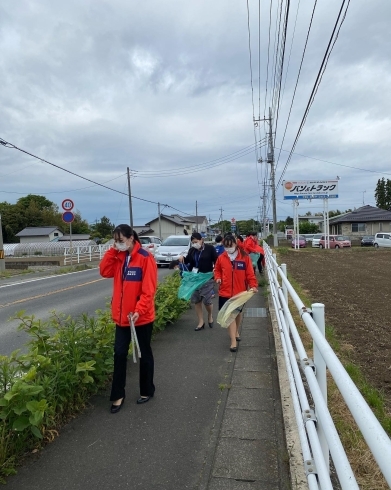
354,284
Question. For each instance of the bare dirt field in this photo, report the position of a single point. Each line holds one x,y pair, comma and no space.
355,287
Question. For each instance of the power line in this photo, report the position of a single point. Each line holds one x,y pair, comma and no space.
7,144
297,80
317,82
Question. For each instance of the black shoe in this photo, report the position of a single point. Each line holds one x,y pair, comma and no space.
117,408
199,328
143,399
238,339
233,349
210,324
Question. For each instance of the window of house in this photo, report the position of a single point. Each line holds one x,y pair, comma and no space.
55,234
357,227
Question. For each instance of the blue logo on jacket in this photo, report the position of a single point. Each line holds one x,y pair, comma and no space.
133,274
239,264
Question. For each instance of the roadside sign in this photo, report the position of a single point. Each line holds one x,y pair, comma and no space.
233,220
310,189
67,205
68,217
233,227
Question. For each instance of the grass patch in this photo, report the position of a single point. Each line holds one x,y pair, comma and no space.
365,468
72,268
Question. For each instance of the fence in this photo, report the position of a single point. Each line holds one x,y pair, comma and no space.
317,432
75,255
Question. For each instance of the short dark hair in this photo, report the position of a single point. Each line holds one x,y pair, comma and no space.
195,236
125,230
218,239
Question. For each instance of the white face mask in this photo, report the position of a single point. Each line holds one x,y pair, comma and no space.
121,246
230,250
196,245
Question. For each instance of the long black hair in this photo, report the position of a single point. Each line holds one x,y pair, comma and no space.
125,230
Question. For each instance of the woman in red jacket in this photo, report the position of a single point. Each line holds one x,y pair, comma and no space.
135,280
234,273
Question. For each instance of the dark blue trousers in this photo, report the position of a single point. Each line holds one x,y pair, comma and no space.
121,348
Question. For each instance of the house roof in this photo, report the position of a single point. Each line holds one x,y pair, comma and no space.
180,220
38,231
363,215
75,237
195,219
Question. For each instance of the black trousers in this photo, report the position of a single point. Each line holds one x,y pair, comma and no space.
121,348
259,263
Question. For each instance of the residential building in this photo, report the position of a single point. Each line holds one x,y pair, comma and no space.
177,225
33,234
366,220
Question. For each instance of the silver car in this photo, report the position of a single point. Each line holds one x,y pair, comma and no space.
171,249
150,243
316,239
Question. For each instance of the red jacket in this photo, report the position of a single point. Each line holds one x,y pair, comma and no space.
235,276
252,246
134,286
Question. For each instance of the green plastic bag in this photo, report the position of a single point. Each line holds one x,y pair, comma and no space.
254,258
231,308
191,281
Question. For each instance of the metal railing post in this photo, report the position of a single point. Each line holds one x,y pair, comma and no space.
275,264
78,255
321,376
284,288
90,253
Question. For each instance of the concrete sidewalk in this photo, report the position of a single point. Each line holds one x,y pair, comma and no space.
215,422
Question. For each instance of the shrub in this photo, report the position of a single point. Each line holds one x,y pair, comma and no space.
67,361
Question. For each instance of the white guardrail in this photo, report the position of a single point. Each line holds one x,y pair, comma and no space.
317,432
75,255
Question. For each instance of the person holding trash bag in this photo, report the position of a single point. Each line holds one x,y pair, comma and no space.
256,252
135,281
234,273
201,258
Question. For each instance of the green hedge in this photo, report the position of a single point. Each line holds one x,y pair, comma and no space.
67,361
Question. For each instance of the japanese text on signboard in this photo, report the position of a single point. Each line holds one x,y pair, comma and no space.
310,189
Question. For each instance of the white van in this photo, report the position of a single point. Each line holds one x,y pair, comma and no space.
382,240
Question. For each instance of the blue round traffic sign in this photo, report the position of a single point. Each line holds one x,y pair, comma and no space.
68,217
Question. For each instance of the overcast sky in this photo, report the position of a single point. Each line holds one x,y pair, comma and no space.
96,86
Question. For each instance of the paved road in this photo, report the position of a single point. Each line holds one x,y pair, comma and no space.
72,294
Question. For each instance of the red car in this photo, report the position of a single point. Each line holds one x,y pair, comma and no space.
336,241
300,242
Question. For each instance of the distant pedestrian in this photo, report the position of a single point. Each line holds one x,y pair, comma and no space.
201,258
251,245
219,246
234,273
135,281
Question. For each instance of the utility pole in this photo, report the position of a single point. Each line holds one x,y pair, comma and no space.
221,221
270,159
160,221
197,216
130,199
2,259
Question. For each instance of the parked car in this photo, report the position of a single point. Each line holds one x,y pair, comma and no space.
336,241
367,241
316,239
150,243
299,242
382,240
172,248
308,236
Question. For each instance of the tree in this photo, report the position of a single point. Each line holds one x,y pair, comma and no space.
40,202
307,227
289,220
383,193
103,228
